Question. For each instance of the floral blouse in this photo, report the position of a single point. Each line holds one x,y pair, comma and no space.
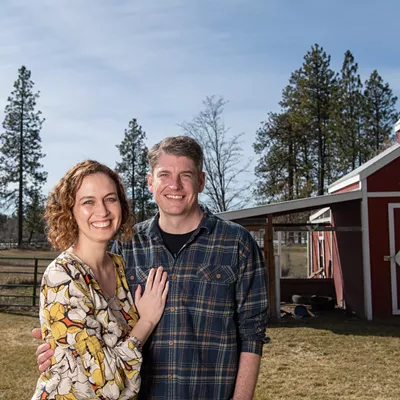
94,357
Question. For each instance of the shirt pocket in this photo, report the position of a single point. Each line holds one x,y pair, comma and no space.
214,289
136,276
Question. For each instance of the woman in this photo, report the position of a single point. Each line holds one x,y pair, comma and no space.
86,310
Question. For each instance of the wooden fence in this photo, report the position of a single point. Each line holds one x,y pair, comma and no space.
20,279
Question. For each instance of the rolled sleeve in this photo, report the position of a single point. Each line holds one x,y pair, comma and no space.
252,297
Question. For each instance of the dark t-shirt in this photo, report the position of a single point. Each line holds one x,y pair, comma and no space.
174,242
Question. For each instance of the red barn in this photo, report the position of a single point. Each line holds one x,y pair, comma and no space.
378,268
359,248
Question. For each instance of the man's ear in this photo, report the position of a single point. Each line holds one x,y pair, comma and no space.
202,181
150,182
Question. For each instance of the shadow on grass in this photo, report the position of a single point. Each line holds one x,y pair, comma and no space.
341,323
25,312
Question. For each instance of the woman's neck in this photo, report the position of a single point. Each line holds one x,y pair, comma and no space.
93,254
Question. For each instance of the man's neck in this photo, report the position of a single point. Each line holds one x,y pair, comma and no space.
180,224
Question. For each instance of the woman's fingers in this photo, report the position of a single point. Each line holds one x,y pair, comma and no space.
163,282
156,281
165,292
150,279
138,294
157,278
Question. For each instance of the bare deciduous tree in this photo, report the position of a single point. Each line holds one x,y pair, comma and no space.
222,156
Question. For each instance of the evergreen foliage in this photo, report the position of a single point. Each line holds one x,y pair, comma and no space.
379,115
34,222
21,151
133,168
329,125
348,113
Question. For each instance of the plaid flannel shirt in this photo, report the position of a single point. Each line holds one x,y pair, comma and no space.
216,308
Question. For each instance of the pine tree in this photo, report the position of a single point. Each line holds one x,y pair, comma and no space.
379,115
146,207
134,168
21,149
348,116
317,85
276,144
34,222
291,102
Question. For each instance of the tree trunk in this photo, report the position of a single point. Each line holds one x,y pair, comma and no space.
21,180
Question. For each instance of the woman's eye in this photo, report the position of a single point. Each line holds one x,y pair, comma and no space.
87,202
111,200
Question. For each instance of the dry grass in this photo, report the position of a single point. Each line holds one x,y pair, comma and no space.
18,368
325,358
330,358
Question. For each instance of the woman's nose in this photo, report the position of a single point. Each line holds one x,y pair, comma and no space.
101,208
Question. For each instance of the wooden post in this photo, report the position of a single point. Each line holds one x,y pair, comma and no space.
35,281
270,261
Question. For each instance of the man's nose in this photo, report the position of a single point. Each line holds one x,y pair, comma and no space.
175,183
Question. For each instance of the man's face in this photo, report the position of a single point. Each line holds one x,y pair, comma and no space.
176,183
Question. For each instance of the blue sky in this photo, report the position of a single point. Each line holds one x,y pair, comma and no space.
100,63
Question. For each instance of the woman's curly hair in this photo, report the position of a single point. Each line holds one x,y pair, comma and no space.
62,229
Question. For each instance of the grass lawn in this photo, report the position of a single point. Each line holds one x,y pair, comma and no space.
330,357
18,369
324,358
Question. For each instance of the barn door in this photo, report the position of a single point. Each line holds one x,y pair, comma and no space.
394,241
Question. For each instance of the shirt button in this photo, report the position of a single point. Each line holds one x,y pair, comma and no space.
218,276
131,277
174,277
172,309
171,342
169,376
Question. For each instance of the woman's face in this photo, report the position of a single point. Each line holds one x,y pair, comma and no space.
97,209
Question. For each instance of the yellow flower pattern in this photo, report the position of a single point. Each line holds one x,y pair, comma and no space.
88,332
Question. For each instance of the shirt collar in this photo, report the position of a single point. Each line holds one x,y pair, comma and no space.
207,223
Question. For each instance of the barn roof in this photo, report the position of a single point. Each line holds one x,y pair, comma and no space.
288,207
366,169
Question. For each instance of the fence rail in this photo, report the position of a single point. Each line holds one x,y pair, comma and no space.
20,278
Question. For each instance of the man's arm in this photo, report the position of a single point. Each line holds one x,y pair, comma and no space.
246,379
252,306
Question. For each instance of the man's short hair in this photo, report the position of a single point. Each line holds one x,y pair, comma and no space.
180,146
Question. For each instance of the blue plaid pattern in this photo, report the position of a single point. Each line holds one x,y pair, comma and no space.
216,308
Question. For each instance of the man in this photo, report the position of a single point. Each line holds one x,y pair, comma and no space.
207,345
